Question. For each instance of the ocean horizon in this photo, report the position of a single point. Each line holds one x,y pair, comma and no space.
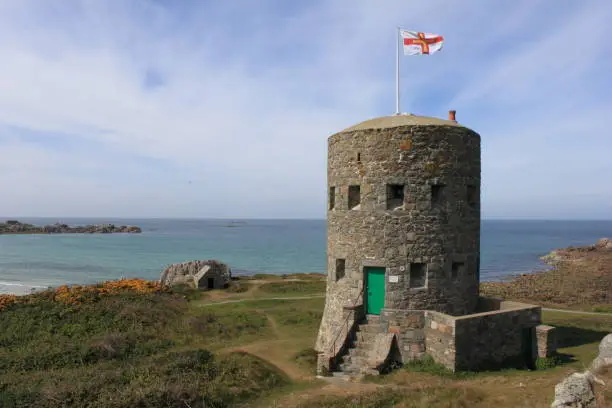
248,245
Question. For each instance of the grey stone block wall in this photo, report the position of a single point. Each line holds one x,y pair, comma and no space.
547,341
496,339
419,231
440,338
333,328
437,228
408,326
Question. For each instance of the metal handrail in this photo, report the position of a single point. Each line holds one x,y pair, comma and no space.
333,345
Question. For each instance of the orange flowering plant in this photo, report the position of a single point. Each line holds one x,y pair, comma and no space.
78,294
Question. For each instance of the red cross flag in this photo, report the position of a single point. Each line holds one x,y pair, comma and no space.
416,43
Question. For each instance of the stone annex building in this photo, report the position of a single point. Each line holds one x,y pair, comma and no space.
403,254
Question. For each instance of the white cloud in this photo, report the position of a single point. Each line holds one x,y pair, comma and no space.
246,104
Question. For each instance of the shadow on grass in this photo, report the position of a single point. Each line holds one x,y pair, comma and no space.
570,336
563,358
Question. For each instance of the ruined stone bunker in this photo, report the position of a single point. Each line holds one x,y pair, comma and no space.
403,253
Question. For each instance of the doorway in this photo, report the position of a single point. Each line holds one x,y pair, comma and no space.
375,289
528,337
211,283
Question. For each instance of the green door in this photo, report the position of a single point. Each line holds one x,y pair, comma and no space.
375,289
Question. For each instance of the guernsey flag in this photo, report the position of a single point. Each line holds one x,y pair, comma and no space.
416,43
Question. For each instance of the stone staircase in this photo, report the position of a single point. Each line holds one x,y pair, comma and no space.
353,363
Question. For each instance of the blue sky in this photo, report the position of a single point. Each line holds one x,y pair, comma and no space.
223,109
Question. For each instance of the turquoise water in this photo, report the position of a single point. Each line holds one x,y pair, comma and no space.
270,246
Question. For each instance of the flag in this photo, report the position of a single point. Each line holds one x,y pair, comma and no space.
416,43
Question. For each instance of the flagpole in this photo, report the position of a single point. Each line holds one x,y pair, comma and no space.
397,62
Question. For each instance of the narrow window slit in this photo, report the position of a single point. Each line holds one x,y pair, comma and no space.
354,197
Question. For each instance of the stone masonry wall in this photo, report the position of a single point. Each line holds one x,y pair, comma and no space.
424,230
546,339
333,323
440,338
435,226
495,339
220,273
408,327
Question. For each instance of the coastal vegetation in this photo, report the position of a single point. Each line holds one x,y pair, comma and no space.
133,343
136,343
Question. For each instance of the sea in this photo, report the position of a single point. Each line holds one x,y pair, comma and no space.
34,262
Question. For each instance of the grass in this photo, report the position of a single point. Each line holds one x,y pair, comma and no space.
603,309
130,350
429,366
164,349
307,358
294,287
425,397
274,277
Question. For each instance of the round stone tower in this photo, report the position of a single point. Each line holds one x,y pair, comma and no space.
403,218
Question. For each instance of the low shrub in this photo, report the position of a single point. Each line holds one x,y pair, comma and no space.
427,365
191,378
544,363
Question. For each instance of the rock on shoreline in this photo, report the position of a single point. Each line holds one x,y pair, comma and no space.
578,277
203,274
16,227
573,253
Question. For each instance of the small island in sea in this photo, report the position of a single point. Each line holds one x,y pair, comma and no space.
16,227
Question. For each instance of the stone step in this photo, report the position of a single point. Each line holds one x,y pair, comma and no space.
351,370
364,336
341,374
348,368
372,319
370,371
358,352
358,360
370,328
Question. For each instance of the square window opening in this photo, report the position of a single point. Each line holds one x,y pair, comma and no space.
457,269
437,194
418,274
332,198
472,196
395,196
354,197
340,268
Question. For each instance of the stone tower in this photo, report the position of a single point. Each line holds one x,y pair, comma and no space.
403,219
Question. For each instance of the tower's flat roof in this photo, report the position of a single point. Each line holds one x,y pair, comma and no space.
386,122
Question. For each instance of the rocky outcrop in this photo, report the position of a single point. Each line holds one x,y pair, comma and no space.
574,253
16,227
577,277
204,274
578,390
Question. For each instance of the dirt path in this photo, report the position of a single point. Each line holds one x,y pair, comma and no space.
272,323
266,350
258,299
